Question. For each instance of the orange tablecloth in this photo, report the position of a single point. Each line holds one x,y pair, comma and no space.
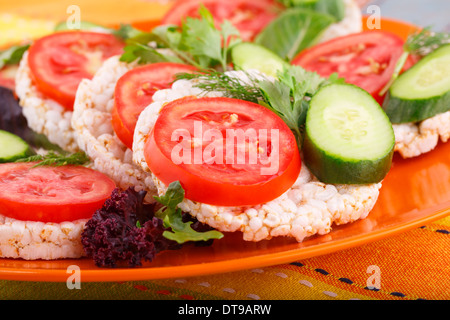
409,266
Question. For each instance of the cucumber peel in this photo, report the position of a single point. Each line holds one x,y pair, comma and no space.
13,147
421,92
348,137
84,26
246,56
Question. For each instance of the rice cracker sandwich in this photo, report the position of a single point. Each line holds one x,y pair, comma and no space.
418,104
105,111
253,160
46,198
44,208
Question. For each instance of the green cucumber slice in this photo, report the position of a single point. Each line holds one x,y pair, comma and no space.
12,147
84,25
348,137
246,56
421,92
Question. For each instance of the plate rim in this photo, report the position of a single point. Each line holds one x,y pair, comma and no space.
217,267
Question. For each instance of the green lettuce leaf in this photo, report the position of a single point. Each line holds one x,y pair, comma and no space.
12,55
336,8
294,30
172,217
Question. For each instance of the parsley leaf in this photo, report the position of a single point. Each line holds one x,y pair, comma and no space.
172,217
289,96
202,41
146,54
197,42
168,36
207,44
127,31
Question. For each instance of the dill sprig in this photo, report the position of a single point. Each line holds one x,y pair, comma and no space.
419,43
231,87
426,41
57,159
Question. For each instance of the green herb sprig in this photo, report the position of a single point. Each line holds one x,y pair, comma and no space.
57,159
287,96
197,42
231,87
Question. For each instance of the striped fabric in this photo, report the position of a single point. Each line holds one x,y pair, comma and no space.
409,266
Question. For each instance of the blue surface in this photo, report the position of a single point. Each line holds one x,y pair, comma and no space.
433,13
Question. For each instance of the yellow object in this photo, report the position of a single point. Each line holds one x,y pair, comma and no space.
16,29
105,12
24,20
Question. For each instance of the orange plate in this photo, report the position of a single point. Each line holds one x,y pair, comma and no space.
415,192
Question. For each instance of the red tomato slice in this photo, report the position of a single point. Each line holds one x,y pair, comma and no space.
51,194
60,61
366,59
249,17
134,91
221,149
